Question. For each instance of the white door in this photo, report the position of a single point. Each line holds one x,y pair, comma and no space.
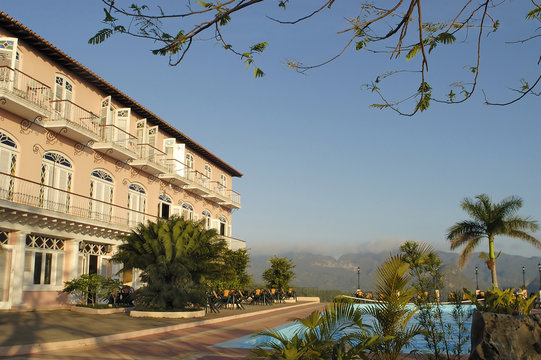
6,167
56,194
6,275
152,139
103,192
122,125
141,134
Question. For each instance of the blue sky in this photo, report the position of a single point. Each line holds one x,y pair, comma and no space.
323,171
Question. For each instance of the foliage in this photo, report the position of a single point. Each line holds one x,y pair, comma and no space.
90,288
392,314
234,275
177,257
279,274
336,333
502,302
373,28
490,219
460,316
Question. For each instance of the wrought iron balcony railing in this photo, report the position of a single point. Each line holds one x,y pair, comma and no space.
66,110
115,135
29,193
25,87
151,154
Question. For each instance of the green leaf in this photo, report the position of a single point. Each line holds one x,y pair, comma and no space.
204,4
413,52
260,47
100,36
258,73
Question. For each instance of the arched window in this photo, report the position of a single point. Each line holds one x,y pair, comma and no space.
56,175
223,226
137,200
187,211
164,205
207,216
101,190
63,96
8,162
189,161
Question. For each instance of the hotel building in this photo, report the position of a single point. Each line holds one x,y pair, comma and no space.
82,163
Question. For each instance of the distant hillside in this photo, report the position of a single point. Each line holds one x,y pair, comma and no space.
326,272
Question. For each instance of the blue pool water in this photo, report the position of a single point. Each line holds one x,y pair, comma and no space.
418,342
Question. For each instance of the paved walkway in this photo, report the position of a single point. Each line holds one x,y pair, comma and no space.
189,343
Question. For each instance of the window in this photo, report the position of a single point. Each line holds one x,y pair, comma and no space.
208,171
43,261
206,216
8,162
187,211
63,96
56,175
189,161
94,259
136,203
101,190
8,52
223,226
164,205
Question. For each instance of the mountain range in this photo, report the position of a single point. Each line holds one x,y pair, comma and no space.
327,272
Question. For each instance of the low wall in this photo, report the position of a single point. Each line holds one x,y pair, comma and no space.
308,298
168,314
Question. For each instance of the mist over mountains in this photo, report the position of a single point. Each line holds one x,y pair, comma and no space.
327,272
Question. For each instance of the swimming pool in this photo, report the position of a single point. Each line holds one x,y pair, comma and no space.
417,343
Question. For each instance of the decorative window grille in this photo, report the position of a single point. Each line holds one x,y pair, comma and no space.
165,198
90,248
187,211
7,141
3,237
138,188
57,159
44,242
103,175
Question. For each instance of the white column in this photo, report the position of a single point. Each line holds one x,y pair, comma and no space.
72,254
17,280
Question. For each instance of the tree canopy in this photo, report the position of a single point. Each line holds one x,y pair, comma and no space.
410,30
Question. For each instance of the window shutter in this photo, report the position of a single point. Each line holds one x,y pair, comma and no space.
122,122
178,153
152,138
8,51
176,210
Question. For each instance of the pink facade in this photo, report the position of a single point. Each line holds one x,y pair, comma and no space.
80,164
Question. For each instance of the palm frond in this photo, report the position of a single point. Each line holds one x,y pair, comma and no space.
465,254
524,237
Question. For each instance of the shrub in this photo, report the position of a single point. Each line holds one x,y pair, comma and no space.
502,302
90,288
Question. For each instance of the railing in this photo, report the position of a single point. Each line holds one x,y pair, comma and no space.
235,197
233,243
118,136
176,167
25,87
152,154
30,193
67,110
218,188
201,180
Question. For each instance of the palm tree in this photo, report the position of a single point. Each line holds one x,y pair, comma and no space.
176,257
489,220
336,333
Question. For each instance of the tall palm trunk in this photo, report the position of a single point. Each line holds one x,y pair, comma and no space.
492,258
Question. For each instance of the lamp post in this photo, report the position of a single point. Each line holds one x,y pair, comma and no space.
523,277
358,277
476,278
539,267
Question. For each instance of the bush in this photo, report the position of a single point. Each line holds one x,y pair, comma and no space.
502,302
88,289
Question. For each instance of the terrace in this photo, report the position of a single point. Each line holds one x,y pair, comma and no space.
73,121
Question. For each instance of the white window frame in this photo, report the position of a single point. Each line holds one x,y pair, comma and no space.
29,268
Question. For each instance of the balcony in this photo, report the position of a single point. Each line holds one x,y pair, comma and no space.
72,121
234,244
150,160
23,95
178,173
221,195
200,184
116,143
31,203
